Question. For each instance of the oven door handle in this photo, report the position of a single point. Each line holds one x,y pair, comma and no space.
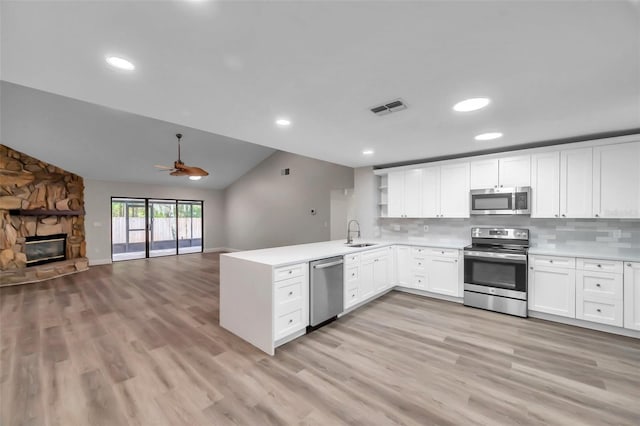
496,257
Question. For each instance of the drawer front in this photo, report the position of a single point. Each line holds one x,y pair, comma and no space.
420,282
289,271
352,274
288,291
554,261
374,254
289,322
419,252
453,253
351,259
600,265
351,297
594,285
602,312
419,263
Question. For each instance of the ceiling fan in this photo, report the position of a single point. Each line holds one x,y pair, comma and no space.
181,169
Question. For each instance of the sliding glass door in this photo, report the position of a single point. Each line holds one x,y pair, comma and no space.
143,227
189,226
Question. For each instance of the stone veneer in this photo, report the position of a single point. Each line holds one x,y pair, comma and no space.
57,198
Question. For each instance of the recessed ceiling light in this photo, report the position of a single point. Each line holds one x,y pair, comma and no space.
471,104
120,63
488,136
367,152
195,177
283,122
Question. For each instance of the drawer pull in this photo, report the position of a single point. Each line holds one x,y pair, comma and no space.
531,267
353,274
290,321
599,310
442,252
353,295
599,265
419,264
550,260
628,264
598,285
290,271
290,293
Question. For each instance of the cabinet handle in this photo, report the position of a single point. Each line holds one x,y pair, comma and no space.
556,215
628,264
290,293
564,215
500,186
291,272
353,274
456,260
598,285
550,260
290,321
598,310
531,267
599,266
442,252
597,215
495,186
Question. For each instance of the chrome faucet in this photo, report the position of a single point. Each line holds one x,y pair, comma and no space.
349,231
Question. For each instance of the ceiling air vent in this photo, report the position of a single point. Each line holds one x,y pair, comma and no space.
393,106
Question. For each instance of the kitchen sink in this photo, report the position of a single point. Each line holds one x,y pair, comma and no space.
361,245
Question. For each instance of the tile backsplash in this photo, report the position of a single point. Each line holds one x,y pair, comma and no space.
548,233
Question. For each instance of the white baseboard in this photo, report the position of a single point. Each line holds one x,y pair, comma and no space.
429,294
95,262
217,249
586,324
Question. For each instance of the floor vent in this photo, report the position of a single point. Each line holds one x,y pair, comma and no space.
389,107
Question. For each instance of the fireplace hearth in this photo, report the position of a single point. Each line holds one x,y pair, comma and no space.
44,249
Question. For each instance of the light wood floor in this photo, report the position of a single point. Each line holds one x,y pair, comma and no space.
138,343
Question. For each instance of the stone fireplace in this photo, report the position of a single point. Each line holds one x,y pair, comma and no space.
41,220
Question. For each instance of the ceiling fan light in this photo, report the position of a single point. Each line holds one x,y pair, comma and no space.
195,177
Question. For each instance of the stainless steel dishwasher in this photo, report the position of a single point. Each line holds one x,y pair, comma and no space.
326,291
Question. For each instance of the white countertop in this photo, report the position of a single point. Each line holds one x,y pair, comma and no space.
288,255
605,253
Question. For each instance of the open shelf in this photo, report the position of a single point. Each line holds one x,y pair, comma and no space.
43,212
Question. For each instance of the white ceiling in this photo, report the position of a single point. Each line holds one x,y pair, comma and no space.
101,143
553,69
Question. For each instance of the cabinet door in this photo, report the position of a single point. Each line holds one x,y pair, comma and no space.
381,274
431,192
454,190
632,295
403,266
413,193
395,194
545,185
484,174
366,284
616,180
442,276
515,171
552,290
576,183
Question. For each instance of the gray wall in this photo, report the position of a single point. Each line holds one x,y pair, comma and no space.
97,198
266,209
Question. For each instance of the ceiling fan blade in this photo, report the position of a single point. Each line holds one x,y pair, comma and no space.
179,173
158,166
195,171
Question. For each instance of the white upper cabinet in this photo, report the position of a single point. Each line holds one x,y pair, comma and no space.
484,174
616,181
404,193
454,190
515,171
431,192
545,185
507,172
576,183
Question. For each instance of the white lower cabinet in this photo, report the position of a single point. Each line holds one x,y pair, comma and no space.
291,300
403,266
442,275
599,297
552,289
632,295
367,274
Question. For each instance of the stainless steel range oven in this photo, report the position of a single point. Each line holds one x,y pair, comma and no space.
495,270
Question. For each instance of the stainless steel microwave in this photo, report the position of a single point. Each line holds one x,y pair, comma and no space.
501,200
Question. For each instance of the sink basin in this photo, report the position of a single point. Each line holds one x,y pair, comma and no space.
361,245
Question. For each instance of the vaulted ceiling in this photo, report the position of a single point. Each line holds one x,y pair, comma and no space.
552,69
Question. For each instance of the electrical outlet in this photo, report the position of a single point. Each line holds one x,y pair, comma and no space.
426,228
